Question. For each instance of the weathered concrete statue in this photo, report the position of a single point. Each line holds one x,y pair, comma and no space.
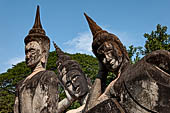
38,92
73,81
143,87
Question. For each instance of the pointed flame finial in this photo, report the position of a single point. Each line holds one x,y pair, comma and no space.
37,32
37,23
93,26
37,27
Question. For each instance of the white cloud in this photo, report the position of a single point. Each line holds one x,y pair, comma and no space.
9,63
15,60
127,38
80,44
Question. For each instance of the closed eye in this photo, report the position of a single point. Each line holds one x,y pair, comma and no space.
68,84
75,78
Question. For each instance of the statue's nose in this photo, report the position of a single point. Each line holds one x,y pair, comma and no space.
108,56
28,55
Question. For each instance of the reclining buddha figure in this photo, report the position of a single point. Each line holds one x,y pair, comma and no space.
143,87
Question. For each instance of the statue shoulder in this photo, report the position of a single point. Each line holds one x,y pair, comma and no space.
159,58
149,78
49,72
154,66
18,85
155,62
49,76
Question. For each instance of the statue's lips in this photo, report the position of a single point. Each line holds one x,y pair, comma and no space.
112,62
77,92
134,100
77,89
28,62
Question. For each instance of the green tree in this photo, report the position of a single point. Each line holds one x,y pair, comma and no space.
9,80
157,40
135,53
8,83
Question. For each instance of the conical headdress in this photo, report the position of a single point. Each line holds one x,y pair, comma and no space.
65,60
37,23
61,55
70,67
37,27
58,50
37,30
93,26
105,37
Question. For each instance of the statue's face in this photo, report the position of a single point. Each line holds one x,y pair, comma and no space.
33,54
75,82
110,55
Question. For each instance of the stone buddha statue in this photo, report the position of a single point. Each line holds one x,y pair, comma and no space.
37,93
143,87
73,80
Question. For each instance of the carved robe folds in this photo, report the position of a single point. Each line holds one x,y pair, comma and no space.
37,95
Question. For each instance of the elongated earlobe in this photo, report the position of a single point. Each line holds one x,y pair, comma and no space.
43,60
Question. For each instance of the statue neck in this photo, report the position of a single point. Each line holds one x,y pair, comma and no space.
35,70
38,68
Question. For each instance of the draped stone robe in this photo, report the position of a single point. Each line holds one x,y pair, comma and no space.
38,94
143,87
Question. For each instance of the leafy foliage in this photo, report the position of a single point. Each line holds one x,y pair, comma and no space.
8,82
157,40
88,63
135,53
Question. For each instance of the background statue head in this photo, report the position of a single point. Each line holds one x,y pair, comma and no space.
107,47
37,44
70,74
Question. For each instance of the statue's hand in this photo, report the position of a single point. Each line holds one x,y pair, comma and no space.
102,73
69,97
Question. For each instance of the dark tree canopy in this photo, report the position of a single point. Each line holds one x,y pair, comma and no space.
157,40
8,82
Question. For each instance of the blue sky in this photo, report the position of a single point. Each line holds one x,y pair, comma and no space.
64,23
